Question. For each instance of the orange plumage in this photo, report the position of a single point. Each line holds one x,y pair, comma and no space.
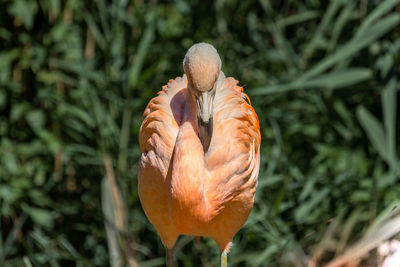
185,190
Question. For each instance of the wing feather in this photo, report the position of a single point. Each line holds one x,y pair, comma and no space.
234,155
161,119
157,138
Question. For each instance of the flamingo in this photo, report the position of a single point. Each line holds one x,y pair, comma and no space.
200,142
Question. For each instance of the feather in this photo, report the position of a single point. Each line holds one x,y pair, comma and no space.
186,191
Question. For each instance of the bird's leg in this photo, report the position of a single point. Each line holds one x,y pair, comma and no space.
224,259
169,257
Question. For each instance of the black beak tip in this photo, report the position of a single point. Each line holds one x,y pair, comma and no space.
205,132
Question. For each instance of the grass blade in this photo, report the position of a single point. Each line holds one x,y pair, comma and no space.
389,116
326,21
379,232
141,52
335,80
350,49
384,7
373,129
116,258
11,236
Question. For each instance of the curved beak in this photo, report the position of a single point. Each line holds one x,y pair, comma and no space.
204,103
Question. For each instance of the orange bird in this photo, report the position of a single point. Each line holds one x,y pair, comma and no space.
200,143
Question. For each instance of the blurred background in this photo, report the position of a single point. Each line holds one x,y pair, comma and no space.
75,77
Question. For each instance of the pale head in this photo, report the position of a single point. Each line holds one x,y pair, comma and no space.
202,66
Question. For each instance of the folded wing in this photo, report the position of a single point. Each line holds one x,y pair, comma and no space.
234,156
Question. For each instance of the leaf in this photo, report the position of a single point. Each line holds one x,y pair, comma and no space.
94,29
350,49
306,209
340,22
347,228
383,8
373,129
326,22
335,80
79,69
381,230
3,99
52,77
297,18
69,247
40,216
55,6
341,78
140,56
19,109
7,246
77,112
27,262
385,64
116,258
51,140
25,11
389,98
36,119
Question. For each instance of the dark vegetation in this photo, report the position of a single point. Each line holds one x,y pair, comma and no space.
75,77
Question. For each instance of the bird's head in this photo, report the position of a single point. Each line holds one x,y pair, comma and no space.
202,66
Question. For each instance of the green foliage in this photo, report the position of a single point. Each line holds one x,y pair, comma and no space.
75,77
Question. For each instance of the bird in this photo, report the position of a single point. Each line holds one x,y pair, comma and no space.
200,142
